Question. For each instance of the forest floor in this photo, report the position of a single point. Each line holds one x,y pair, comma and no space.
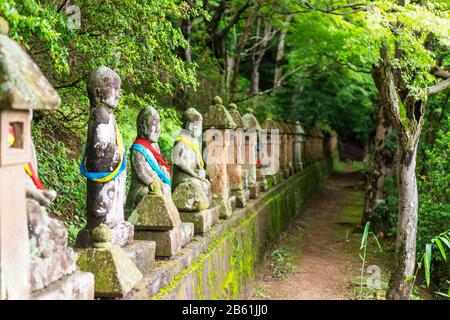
318,256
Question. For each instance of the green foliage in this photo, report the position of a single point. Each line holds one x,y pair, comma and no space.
31,21
282,265
363,252
59,170
434,204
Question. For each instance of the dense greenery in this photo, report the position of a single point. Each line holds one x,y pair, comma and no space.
311,61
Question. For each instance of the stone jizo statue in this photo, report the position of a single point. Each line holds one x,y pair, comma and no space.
104,161
189,167
147,164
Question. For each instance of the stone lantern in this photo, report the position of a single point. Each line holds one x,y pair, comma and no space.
23,88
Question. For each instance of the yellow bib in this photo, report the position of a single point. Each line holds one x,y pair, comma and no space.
193,147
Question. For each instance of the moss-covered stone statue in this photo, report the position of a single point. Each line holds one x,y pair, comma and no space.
191,189
149,203
104,162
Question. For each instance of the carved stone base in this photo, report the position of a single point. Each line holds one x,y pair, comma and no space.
242,197
142,253
76,286
203,220
224,206
122,235
170,241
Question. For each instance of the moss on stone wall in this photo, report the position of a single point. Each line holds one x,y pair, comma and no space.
231,259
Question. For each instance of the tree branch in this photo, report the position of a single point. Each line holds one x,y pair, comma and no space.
72,84
438,87
440,73
279,85
232,22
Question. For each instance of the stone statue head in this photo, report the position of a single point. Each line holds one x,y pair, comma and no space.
148,124
104,87
193,122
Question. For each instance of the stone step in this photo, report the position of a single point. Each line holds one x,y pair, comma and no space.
142,253
203,220
168,242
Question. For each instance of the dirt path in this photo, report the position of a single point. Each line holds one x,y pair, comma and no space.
319,252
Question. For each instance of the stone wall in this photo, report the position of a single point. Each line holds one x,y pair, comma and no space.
219,264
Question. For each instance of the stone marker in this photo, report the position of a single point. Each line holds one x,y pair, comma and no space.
104,162
35,261
218,136
238,177
191,190
149,203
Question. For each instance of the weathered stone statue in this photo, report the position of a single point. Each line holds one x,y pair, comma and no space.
271,150
149,205
104,162
35,262
238,176
256,179
147,164
218,133
299,146
191,189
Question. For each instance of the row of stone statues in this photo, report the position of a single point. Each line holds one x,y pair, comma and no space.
167,208
164,207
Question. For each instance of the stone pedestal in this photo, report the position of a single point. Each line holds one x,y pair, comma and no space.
203,220
157,219
170,241
142,253
114,272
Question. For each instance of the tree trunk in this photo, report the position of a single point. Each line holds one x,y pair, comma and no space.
259,50
382,168
407,224
280,52
240,46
